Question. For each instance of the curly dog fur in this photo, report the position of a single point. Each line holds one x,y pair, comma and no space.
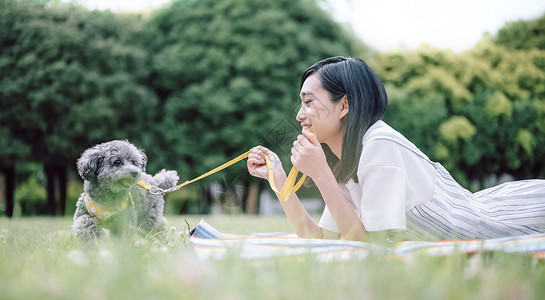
110,172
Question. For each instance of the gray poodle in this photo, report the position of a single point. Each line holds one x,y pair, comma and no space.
111,198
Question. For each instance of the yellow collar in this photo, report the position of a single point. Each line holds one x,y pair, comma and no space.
103,212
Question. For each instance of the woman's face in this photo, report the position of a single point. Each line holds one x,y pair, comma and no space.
319,112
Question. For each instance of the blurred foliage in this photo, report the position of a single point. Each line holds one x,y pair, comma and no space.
70,78
202,81
480,113
74,190
197,83
184,201
523,34
30,197
228,72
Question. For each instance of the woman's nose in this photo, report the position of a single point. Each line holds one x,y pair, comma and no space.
301,115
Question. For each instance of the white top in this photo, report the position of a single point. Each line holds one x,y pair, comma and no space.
391,180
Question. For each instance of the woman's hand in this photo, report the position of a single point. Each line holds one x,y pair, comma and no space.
257,166
308,156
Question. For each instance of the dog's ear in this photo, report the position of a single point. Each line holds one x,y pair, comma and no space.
90,163
144,159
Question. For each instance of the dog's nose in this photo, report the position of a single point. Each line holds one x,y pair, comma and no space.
134,174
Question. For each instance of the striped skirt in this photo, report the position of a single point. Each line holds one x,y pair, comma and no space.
510,209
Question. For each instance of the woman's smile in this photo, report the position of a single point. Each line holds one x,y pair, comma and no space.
306,126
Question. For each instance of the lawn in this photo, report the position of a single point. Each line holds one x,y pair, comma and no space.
39,259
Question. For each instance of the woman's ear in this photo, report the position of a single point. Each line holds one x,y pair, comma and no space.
344,107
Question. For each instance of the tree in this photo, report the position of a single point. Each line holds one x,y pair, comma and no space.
228,74
71,78
12,150
480,113
522,34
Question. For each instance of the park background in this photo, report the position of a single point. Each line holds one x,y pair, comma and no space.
196,83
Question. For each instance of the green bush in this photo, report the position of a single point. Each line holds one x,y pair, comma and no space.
74,190
184,201
30,197
480,113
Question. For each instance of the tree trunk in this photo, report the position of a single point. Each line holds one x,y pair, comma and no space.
50,173
206,199
252,202
9,175
63,180
2,188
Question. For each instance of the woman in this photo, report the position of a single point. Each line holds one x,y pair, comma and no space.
373,179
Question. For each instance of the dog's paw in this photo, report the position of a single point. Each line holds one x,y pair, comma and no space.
166,179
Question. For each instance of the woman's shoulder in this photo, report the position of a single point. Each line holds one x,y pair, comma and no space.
381,130
383,139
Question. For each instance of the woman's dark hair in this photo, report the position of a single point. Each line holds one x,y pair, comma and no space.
367,103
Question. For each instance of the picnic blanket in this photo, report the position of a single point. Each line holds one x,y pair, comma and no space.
210,243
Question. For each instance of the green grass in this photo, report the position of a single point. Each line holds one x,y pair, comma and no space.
39,259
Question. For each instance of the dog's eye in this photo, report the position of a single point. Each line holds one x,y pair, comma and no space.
118,163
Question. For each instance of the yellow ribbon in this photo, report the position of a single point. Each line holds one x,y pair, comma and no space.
148,187
288,188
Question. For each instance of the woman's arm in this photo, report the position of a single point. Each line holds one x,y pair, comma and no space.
300,220
309,158
346,219
302,223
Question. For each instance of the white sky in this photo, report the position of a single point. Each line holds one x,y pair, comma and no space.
389,24
449,24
